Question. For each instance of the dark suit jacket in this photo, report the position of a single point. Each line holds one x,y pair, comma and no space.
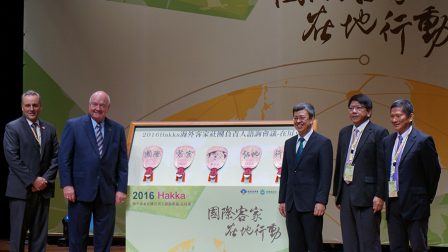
418,171
25,160
307,181
369,175
82,167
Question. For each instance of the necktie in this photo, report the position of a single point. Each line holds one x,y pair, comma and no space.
349,167
34,127
355,137
397,162
353,145
300,149
99,138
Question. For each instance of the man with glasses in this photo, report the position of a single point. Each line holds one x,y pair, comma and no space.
413,172
359,178
305,182
93,168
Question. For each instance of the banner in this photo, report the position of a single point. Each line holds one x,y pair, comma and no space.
204,218
224,199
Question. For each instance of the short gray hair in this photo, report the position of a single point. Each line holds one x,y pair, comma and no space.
304,106
405,105
95,93
31,93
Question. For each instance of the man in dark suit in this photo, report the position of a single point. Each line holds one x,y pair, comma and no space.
359,178
413,172
93,167
31,150
305,182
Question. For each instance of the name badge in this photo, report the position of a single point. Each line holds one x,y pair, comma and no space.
348,172
393,189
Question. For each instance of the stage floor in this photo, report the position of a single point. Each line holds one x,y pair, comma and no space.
4,247
119,246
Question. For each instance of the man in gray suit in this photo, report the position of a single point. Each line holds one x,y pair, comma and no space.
359,178
31,149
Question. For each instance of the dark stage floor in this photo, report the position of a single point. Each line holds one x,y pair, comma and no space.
119,246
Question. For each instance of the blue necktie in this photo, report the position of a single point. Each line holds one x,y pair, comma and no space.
99,138
300,149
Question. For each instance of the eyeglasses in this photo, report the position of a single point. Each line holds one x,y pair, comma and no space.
101,105
300,119
358,108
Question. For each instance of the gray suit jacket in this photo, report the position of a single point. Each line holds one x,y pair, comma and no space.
26,161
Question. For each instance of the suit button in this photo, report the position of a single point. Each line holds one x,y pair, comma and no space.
295,171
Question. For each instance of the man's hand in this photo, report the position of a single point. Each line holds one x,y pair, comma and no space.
319,209
378,204
39,184
120,197
69,193
282,209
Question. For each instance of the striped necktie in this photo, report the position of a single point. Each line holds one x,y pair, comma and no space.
99,138
36,134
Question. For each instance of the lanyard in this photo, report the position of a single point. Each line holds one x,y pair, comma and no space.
397,153
35,130
354,145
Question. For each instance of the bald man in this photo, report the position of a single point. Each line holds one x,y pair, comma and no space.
93,167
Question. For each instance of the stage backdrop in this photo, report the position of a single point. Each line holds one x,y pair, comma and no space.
242,60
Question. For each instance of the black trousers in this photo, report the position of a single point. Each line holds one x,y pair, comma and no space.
360,226
402,232
304,231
